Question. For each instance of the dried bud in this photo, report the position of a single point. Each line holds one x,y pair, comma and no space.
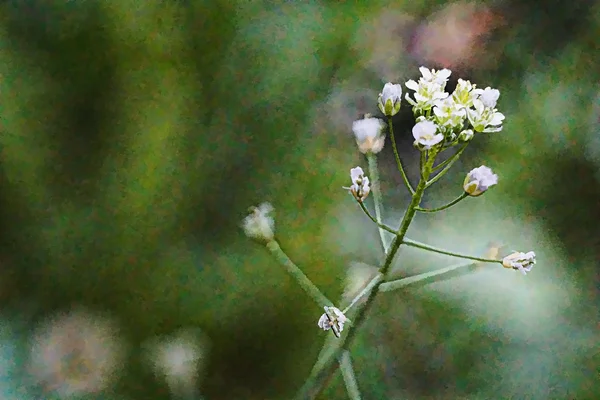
333,319
520,261
360,184
258,224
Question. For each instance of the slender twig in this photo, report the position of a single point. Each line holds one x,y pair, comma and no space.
423,246
367,289
376,189
349,376
298,275
444,207
397,156
404,282
449,159
446,168
319,377
372,218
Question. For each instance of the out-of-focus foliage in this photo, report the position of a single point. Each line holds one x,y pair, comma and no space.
134,135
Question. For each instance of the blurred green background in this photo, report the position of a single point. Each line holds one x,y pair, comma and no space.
135,135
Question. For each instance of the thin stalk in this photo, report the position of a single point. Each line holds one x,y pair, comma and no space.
316,382
449,159
397,156
444,207
446,168
423,246
298,275
376,189
372,218
367,289
349,376
404,282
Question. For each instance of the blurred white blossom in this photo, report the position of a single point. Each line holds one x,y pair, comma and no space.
390,99
178,359
75,353
360,184
369,134
488,96
466,135
259,224
425,135
332,319
478,180
523,262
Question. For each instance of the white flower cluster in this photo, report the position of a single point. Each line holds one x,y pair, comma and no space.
449,118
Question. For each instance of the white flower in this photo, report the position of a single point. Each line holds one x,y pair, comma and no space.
425,136
426,94
484,119
523,262
258,224
440,77
390,99
75,353
479,180
464,94
488,96
360,184
333,319
369,134
449,114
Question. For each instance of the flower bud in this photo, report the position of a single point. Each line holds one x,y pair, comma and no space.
369,135
360,184
390,99
258,224
333,319
466,135
520,261
479,180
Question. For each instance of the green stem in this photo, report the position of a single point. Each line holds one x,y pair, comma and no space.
375,188
423,246
453,202
367,289
372,218
397,156
404,282
449,159
319,377
297,274
447,167
348,375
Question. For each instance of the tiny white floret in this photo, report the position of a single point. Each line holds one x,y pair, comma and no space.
479,180
425,135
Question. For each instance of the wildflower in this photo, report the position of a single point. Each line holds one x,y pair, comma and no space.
464,93
425,135
428,90
449,114
258,224
75,353
369,134
360,184
483,118
488,96
479,180
520,261
390,99
333,319
440,77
